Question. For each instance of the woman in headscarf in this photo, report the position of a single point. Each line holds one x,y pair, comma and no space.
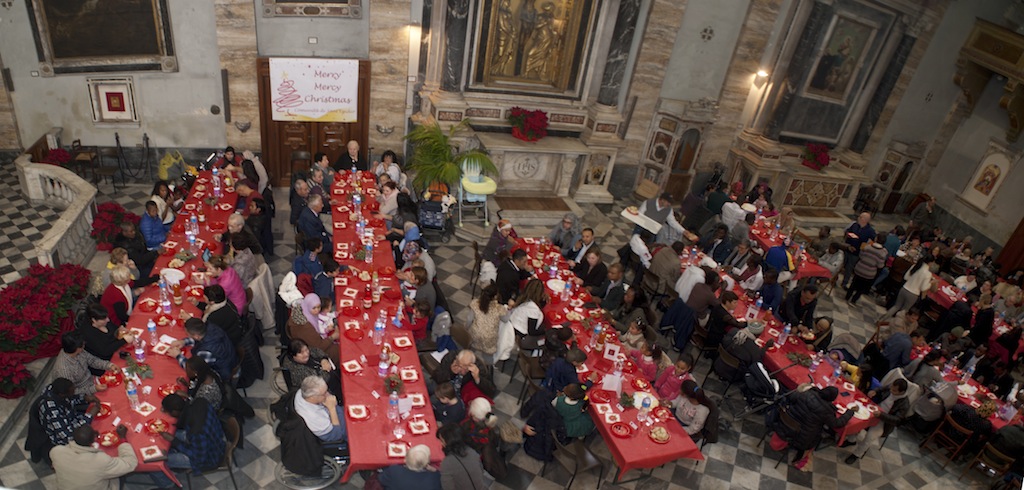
566,232
814,409
302,325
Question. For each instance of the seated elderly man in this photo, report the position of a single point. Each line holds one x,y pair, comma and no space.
415,473
470,379
309,223
236,226
320,410
60,410
131,240
411,253
80,465
298,201
73,363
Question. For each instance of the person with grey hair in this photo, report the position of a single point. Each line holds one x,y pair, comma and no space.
300,192
566,232
415,473
236,226
471,379
320,410
309,223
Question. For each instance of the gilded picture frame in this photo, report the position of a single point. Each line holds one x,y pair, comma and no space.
840,59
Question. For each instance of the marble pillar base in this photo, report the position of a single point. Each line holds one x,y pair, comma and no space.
603,125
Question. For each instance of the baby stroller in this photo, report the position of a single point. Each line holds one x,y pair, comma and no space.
436,217
760,392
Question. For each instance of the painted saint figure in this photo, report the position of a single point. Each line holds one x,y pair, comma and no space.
542,49
988,179
505,48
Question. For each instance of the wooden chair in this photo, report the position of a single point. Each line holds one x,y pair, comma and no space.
232,432
101,172
576,457
951,436
82,158
460,334
474,275
729,360
301,160
830,285
698,340
990,458
531,382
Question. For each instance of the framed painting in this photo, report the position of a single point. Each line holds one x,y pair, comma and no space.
72,36
839,59
313,8
113,100
988,176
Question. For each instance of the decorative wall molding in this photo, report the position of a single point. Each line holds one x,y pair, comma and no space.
351,9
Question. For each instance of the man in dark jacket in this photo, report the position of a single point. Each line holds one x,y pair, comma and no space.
742,344
717,244
894,409
470,378
543,425
798,307
131,240
722,322
210,342
510,273
309,223
813,408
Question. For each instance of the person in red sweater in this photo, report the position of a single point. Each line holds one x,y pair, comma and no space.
646,358
419,314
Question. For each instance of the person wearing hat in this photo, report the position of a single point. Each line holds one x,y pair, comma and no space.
411,253
659,210
742,344
955,342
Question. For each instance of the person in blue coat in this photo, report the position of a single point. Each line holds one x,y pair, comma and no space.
152,227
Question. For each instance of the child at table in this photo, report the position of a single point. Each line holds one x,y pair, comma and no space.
671,379
572,406
634,337
419,314
647,358
448,408
326,316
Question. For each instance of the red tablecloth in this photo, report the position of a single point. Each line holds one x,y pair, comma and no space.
165,369
369,437
946,294
637,450
808,266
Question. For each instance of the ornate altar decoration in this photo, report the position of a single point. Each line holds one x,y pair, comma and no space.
111,35
535,42
313,8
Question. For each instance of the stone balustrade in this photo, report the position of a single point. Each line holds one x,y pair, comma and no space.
68,240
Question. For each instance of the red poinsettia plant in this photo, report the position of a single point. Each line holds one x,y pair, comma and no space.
15,380
58,156
34,311
528,125
107,224
816,156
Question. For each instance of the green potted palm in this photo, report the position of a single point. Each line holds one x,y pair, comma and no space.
435,160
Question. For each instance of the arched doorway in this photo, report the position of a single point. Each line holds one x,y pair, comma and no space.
680,178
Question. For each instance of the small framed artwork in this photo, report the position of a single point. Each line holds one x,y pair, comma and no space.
988,176
113,100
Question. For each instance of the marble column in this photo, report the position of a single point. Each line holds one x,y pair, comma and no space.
858,141
389,57
8,127
456,25
236,41
618,52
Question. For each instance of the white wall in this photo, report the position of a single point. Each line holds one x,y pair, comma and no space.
697,68
961,159
336,38
174,108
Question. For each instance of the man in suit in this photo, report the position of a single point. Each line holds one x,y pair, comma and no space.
609,296
345,162
309,223
575,251
510,273
717,244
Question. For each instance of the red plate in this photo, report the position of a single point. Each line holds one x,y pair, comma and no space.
641,384
350,311
601,396
621,430
178,228
108,439
157,426
168,389
355,334
196,292
112,378
376,223
163,320
629,367
104,412
662,413
218,226
387,271
392,294
668,436
147,306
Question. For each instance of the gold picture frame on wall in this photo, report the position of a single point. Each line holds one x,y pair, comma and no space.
535,43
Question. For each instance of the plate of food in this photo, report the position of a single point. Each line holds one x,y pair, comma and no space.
358,412
966,390
409,374
167,389
156,426
104,412
621,430
196,292
662,413
147,305
354,334
146,408
403,342
573,316
364,276
351,366
108,439
417,400
419,426
392,294
556,285
659,434
576,303
629,367
163,320
350,311
602,396
861,411
640,384
633,210
112,378
218,226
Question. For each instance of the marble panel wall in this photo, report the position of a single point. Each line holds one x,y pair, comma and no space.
8,131
746,59
236,42
389,66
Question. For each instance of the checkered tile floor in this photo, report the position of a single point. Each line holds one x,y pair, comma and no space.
735,461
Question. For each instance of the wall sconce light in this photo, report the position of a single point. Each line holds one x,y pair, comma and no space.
385,130
760,78
243,126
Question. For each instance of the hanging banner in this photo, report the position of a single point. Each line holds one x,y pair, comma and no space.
313,89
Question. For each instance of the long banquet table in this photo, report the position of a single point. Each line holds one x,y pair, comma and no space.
807,266
635,450
369,436
165,369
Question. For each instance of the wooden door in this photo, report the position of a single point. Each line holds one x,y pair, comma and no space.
280,138
680,177
1011,257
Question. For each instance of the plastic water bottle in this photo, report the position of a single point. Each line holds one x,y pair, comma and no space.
133,394
194,225
1013,392
369,252
384,364
754,310
397,320
140,350
378,333
165,297
393,414
968,374
645,407
567,292
597,333
355,177
784,334
815,362
694,258
357,204
151,326
193,247
216,183
684,256
775,231
838,374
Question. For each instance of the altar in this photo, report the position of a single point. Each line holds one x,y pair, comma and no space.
541,168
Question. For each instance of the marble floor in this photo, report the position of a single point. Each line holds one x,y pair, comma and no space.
736,461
